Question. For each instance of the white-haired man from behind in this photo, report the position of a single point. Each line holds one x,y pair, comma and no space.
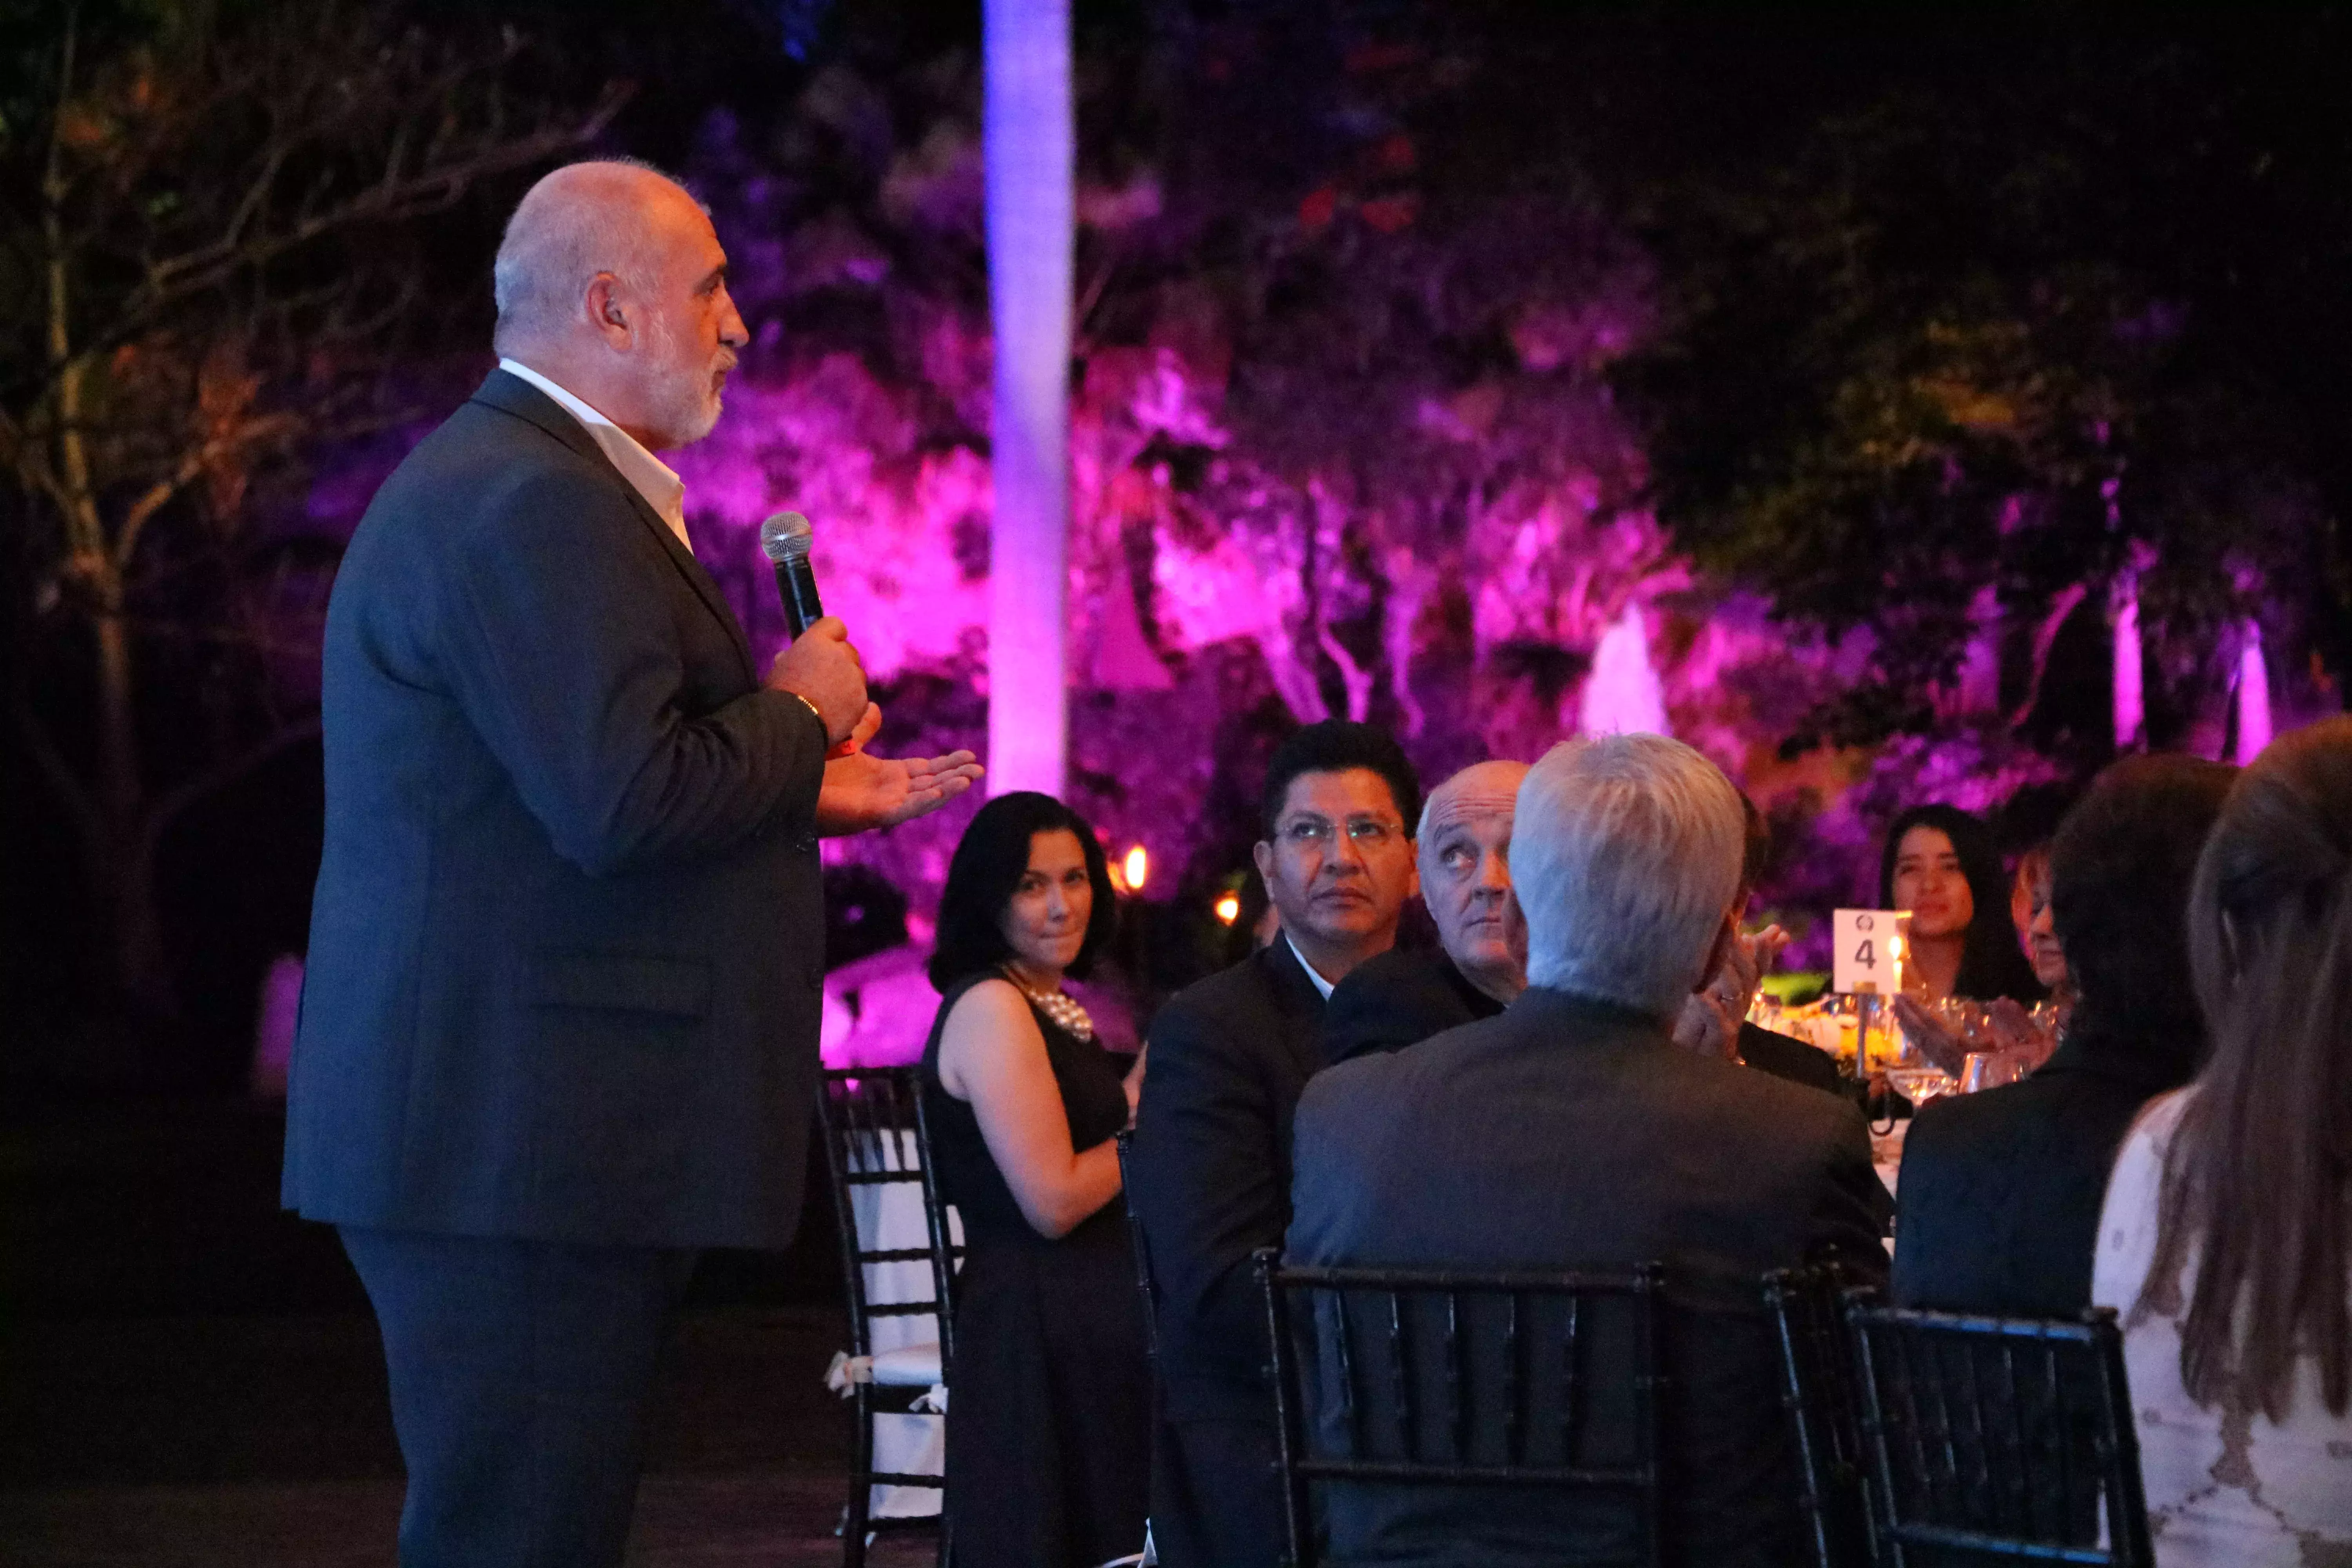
1570,1132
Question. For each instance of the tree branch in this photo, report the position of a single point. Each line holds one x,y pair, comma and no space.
191,467
185,793
67,786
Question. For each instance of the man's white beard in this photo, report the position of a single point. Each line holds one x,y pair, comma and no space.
689,407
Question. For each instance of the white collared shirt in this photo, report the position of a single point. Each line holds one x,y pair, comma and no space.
647,475
1312,973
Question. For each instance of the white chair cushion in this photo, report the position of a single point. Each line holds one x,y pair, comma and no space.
910,1366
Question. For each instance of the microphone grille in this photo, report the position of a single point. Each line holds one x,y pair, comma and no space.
786,537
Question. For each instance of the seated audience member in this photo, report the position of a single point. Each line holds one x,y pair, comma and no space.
1940,864
2029,911
1048,1460
1210,1158
1481,965
2226,1241
1570,1132
1715,1019
2000,1190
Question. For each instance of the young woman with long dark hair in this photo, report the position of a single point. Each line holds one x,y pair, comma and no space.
2226,1237
1942,865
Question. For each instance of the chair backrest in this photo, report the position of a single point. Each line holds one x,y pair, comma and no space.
877,1137
1143,1286
1824,1414
1400,1378
2003,1438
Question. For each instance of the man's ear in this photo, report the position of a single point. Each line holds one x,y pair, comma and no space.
608,312
1262,857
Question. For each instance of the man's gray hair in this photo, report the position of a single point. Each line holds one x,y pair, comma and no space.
1625,854
575,223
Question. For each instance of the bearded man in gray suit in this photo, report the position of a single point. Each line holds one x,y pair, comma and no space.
559,1025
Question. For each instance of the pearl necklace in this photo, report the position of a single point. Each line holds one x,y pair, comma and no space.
1065,1010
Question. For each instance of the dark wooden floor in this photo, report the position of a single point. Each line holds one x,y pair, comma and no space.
775,1519
254,1441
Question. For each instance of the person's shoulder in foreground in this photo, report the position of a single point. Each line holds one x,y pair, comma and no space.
1398,999
1789,1060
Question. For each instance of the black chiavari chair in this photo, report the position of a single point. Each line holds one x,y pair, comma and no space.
1992,1438
876,1138
1817,1387
1423,1379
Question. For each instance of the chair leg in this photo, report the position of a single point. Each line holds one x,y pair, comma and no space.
854,1521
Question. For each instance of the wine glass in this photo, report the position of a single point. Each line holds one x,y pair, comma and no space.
1912,1075
1989,1070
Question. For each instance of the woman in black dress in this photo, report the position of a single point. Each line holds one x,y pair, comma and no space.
1049,1395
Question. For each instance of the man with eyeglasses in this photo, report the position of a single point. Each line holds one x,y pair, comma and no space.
1211,1160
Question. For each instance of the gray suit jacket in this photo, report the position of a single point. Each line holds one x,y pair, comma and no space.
567,941
1569,1132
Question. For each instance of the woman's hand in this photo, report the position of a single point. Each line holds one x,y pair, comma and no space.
1947,1051
1710,1019
2013,1029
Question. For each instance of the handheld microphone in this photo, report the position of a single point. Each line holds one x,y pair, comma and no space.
784,540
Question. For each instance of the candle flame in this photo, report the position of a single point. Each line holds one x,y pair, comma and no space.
1229,908
1137,866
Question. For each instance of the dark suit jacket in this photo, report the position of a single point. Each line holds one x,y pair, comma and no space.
1566,1132
1399,999
1210,1166
1790,1060
2001,1191
567,936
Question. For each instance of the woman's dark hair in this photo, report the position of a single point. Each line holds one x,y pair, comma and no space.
1336,746
989,862
2120,873
1991,963
2258,1179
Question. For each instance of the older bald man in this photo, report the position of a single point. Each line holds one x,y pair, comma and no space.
1463,847
559,1028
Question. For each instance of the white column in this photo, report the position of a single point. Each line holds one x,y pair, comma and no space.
2130,700
2253,696
1622,695
1029,146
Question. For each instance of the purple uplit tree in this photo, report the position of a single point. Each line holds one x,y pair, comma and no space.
1029,139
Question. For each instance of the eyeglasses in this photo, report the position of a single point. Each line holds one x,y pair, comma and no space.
1317,832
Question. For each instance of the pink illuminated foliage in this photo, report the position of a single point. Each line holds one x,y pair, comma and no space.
1288,501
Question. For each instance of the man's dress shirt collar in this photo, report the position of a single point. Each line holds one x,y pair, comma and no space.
647,475
1313,976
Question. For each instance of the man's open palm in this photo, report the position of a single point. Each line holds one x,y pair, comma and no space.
862,791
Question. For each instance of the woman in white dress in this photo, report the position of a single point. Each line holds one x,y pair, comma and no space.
2226,1238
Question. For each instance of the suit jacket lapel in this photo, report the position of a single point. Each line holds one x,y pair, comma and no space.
1298,1002
512,394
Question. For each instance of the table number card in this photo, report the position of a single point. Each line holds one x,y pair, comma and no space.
1868,958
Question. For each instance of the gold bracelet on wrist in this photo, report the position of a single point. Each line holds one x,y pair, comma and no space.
823,728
